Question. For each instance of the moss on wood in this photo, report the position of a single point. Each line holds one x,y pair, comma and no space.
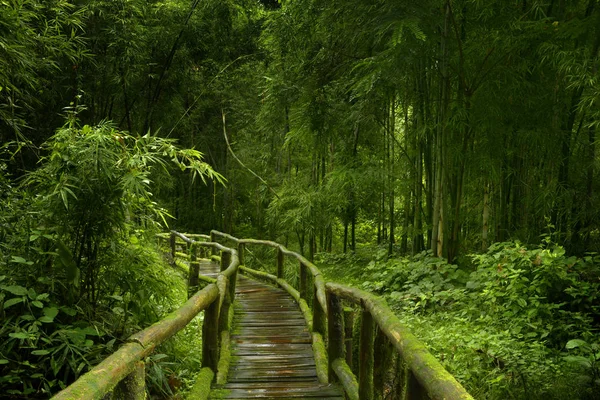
224,359
346,378
320,353
201,388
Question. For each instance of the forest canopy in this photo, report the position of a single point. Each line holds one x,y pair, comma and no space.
430,128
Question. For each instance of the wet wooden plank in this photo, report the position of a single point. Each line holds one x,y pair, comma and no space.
271,348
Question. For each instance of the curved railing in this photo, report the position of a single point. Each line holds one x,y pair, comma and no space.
123,370
385,346
383,340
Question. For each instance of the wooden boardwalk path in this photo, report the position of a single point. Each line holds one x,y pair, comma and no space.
272,355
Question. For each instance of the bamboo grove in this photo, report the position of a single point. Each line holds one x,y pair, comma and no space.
441,125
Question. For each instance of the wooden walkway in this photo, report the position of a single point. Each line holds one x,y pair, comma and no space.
272,355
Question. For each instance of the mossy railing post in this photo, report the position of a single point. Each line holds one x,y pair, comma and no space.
280,263
210,336
414,390
366,357
224,312
335,328
193,252
225,260
240,249
172,245
194,271
381,358
319,318
303,277
133,386
213,251
233,279
193,278
348,334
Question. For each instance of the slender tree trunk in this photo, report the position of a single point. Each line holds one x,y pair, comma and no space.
437,237
486,216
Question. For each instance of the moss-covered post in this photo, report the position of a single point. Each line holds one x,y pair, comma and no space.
241,247
225,260
279,263
365,367
348,334
381,357
210,336
172,245
193,279
303,279
414,390
224,312
193,251
319,322
335,327
401,375
133,387
213,251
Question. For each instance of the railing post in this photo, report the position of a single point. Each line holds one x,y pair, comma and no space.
224,312
279,263
401,373
414,390
172,244
335,320
348,328
210,336
241,247
302,286
193,252
213,251
365,367
381,358
319,323
133,386
193,278
225,260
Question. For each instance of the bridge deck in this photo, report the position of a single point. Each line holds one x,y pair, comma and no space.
272,355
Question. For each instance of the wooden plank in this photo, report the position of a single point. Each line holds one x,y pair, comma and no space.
271,348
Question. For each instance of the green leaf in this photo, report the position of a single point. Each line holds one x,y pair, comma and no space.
69,311
19,335
51,312
40,352
584,362
66,259
42,296
571,344
3,361
16,290
46,320
12,302
38,304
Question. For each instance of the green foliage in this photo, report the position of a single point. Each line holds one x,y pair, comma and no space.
500,328
78,274
37,39
586,358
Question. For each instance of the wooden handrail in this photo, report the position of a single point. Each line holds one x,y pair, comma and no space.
316,273
426,377
126,362
103,377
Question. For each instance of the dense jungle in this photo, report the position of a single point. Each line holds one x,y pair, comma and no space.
438,153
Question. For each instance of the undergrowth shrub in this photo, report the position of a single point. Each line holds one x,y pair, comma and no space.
78,269
512,324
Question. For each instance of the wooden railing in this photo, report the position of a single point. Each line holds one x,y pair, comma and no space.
391,361
123,372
